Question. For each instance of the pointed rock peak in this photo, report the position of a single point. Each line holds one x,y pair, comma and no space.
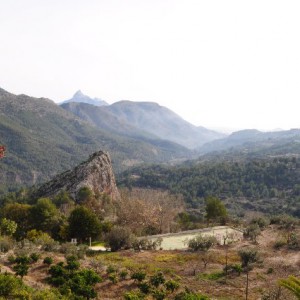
79,93
95,173
80,97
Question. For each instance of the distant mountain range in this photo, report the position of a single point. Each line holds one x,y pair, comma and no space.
44,139
143,119
252,142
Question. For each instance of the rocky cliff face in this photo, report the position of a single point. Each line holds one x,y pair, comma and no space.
95,173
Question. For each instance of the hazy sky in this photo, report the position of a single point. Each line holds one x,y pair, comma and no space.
217,63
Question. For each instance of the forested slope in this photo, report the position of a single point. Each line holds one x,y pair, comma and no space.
267,185
42,140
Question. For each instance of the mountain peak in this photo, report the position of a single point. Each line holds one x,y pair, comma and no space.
79,93
80,97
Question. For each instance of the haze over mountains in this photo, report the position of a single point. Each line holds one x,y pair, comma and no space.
256,143
79,97
44,139
143,118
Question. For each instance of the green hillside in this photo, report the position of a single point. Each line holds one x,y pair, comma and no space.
267,185
42,139
144,119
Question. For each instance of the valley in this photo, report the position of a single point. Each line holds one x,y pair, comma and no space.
186,213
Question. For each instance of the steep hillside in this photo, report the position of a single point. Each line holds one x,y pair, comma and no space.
145,119
162,122
43,139
104,119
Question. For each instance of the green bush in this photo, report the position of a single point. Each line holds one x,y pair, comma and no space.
139,244
159,294
48,260
188,295
138,276
157,279
123,274
171,285
72,263
34,257
134,295
113,277
144,287
202,243
10,286
46,294
21,269
69,278
212,276
22,259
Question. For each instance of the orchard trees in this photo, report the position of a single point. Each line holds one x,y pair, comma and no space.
248,258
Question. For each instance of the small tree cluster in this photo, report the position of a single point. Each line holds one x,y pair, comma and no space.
156,285
202,242
70,277
22,265
139,244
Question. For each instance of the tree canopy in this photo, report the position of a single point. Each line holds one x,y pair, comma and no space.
83,224
214,208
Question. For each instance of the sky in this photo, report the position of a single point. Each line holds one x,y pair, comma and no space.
219,64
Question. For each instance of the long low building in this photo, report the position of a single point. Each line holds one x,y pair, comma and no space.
179,240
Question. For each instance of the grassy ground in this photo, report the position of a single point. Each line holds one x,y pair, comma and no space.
188,270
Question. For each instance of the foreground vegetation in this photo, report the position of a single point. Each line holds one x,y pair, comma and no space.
216,272
39,262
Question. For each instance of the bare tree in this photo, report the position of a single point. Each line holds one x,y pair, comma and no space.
148,211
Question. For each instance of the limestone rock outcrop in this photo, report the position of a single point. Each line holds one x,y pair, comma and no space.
96,173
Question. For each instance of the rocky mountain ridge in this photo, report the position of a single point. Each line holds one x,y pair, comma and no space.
96,173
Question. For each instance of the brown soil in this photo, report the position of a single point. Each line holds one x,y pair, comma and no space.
188,269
